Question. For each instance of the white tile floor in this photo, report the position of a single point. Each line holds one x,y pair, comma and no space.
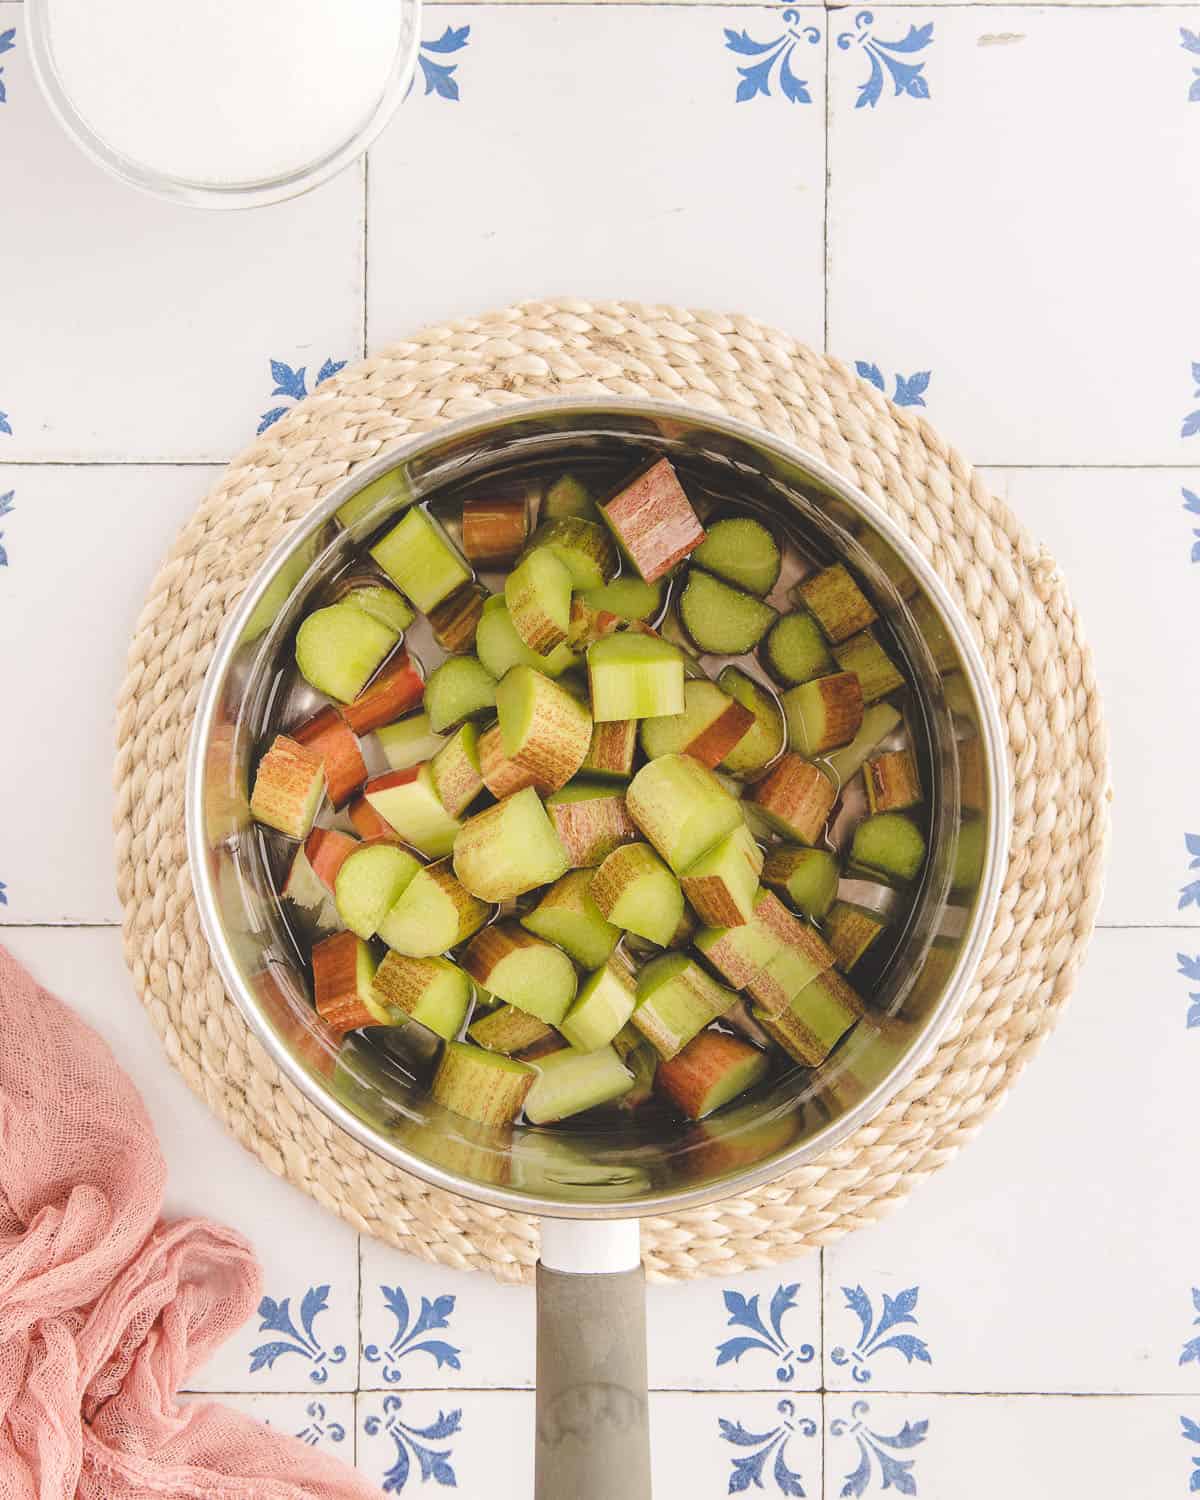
1005,233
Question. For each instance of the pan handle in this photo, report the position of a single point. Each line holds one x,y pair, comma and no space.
593,1430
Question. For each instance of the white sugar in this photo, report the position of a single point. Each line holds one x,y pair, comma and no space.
224,91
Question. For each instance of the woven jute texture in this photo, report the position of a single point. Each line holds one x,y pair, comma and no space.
1010,590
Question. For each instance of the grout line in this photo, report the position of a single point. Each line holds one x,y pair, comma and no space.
366,168
825,245
358,1346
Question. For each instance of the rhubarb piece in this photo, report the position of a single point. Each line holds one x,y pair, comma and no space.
569,1082
710,726
636,891
455,620
634,677
584,548
840,606
971,783
850,931
367,822
876,671
796,798
627,597
421,560
533,975
544,728
483,1086
339,648
592,820
802,954
456,690
289,787
722,619
587,624
509,849
409,742
408,801
721,885
743,552
494,531
509,1030
681,808
612,749
371,880
455,770
393,486
343,968
430,990
808,877
568,496
934,633
796,649
500,775
393,692
815,1020
710,1071
641,1058
314,870
889,845
676,999
275,596
500,648
544,1046
878,721
968,855
328,734
568,916
538,595
434,914
380,602
739,954
653,521
892,781
601,1009
763,741
824,713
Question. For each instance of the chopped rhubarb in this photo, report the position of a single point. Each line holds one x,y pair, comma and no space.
710,726
710,1071
334,741
409,802
398,688
339,649
796,798
501,775
494,531
529,973
545,729
653,521
592,820
509,849
288,788
455,620
343,970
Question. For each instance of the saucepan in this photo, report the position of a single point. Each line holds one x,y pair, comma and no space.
592,1184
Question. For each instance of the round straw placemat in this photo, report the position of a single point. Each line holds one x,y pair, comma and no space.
1009,589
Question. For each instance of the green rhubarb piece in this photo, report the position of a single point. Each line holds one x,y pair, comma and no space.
339,649
711,1070
509,849
840,606
763,741
722,884
633,889
568,496
568,916
455,770
278,592
710,726
601,1008
850,930
814,1020
538,595
500,648
408,801
877,673
369,883
508,1030
458,688
393,486
434,913
824,713
529,973
741,551
289,787
570,1082
611,753
641,1058
421,560
681,807
408,742
628,596
634,676
808,877
585,548
739,954
676,999
483,1086
889,845
382,604
720,619
878,721
796,649
433,991
968,855
592,820
543,727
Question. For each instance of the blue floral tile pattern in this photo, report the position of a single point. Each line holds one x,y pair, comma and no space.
871,1340
1191,503
874,1459
3,894
1190,42
412,1442
1189,967
318,1428
1191,1350
294,385
408,1341
1191,1434
7,506
4,424
7,43
772,57
1189,895
439,76
1191,423
744,1313
910,389
748,1470
303,1341
888,57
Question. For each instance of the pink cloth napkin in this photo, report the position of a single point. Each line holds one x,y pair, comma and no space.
104,1309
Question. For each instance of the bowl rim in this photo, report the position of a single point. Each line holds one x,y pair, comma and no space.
995,862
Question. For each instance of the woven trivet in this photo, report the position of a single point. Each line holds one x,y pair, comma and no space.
1009,589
